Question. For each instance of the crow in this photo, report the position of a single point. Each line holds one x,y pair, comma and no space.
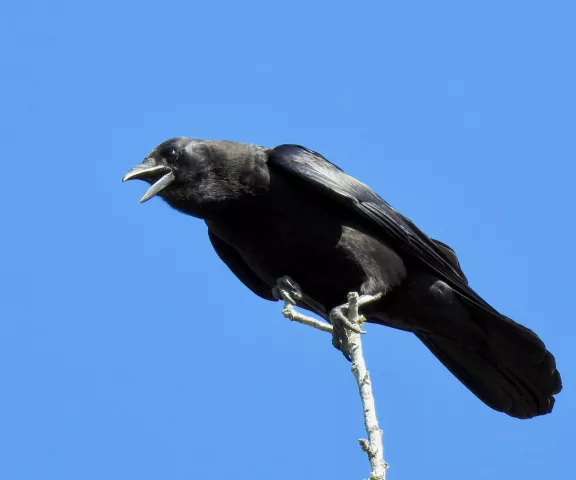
289,212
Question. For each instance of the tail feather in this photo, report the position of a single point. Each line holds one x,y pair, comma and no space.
511,371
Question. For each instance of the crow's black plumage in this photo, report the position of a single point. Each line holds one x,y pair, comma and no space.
287,211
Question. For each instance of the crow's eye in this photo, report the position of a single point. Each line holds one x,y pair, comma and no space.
171,155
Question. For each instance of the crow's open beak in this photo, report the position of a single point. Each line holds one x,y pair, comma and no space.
160,176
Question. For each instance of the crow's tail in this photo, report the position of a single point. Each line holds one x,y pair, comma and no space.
511,371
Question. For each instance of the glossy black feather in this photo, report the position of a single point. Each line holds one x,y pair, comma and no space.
239,267
395,227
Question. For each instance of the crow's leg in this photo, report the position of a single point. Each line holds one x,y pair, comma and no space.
342,323
288,290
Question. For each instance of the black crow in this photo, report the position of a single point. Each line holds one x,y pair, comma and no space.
288,211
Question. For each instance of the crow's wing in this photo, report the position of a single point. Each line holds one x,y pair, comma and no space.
396,229
240,268
451,255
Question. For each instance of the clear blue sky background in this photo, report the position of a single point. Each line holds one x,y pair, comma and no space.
127,350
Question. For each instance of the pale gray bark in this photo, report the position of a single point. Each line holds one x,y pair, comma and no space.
373,445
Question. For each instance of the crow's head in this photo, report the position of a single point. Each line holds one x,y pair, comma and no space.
197,176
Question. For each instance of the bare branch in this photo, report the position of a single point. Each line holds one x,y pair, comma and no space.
290,313
373,445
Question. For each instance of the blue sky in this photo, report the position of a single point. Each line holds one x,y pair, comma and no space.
127,350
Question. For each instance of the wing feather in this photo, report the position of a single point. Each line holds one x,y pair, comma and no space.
395,228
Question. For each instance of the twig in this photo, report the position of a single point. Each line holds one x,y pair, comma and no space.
373,445
290,313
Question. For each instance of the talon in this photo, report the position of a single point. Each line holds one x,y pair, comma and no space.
342,325
292,285
281,294
288,289
337,314
287,297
